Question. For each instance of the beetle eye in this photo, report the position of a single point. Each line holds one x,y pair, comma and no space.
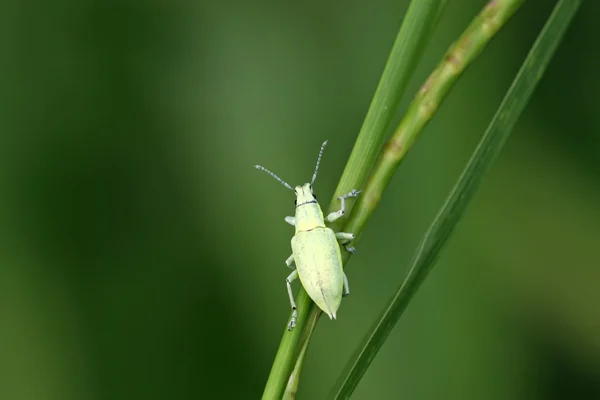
315,196
295,202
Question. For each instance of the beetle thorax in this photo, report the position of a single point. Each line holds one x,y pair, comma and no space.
308,211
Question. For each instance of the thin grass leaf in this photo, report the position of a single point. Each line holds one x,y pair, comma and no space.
416,29
294,380
457,59
485,154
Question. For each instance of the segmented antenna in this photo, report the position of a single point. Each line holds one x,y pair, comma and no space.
274,176
318,162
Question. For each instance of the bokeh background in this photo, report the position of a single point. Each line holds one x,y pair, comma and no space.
142,255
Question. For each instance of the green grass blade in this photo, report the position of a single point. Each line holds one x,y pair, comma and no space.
417,26
459,56
486,152
294,380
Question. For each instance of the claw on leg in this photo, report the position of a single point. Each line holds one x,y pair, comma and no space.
338,214
292,323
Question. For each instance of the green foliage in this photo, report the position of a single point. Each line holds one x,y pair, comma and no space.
459,56
455,205
416,29
141,255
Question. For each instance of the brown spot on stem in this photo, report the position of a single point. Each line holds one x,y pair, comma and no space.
393,146
452,59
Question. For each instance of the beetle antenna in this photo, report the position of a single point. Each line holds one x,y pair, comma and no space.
318,162
274,176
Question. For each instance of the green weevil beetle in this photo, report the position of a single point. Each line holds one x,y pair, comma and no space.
315,250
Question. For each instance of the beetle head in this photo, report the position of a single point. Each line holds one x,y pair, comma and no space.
304,195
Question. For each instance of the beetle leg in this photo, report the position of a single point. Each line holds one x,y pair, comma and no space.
288,282
340,213
291,220
344,238
290,262
350,249
346,291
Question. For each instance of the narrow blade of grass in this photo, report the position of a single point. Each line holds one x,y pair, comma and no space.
294,380
443,225
417,26
457,59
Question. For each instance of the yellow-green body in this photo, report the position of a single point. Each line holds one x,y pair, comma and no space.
317,254
316,257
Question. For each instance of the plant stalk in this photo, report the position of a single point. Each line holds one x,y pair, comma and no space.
456,60
448,217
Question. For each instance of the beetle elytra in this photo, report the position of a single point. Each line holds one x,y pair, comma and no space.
315,251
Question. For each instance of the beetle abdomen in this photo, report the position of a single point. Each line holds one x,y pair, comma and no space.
319,264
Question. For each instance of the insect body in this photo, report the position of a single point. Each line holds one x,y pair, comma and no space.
315,251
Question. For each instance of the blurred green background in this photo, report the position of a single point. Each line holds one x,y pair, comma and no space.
142,255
